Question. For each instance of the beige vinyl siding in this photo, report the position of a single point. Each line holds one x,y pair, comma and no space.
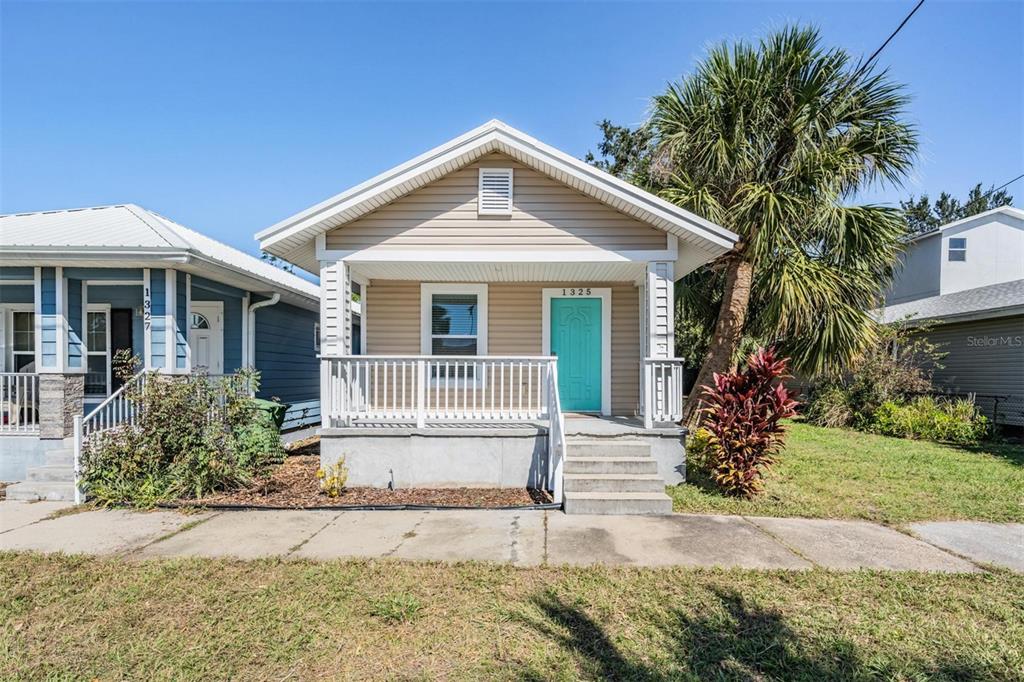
514,327
392,318
546,214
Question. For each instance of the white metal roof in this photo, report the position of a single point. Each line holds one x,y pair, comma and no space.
131,231
293,238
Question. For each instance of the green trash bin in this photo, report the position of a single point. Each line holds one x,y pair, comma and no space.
275,409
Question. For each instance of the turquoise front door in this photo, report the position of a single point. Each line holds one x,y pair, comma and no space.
576,341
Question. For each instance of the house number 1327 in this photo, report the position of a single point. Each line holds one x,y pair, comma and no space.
576,292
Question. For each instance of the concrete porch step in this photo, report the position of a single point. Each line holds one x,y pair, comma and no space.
613,483
610,465
617,503
52,473
609,447
60,457
41,490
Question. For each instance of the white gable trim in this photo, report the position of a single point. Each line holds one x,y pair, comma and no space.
288,237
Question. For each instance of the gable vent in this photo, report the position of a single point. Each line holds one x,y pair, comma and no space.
495,191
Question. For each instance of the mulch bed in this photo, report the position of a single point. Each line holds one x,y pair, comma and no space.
294,485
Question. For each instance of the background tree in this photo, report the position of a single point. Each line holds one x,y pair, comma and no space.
922,215
277,262
772,140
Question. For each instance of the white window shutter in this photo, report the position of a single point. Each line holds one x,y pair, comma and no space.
495,197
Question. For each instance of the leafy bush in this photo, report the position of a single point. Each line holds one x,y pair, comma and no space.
951,421
699,452
743,420
192,436
333,478
899,364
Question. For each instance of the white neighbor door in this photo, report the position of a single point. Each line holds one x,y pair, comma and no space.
206,336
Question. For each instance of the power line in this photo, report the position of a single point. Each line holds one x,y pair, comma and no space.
893,34
1005,184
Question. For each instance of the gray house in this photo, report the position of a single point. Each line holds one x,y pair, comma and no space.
77,286
965,281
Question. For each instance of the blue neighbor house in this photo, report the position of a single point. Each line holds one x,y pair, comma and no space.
77,286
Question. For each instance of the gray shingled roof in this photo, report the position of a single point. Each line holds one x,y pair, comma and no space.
994,298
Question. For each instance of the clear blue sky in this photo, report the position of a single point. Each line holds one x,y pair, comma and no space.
229,117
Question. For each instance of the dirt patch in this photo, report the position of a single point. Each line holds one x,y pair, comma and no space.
294,484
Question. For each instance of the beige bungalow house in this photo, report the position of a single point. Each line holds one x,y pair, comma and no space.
516,323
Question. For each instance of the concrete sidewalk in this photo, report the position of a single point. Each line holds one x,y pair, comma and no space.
523,538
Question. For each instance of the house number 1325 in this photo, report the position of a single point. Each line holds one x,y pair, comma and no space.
576,292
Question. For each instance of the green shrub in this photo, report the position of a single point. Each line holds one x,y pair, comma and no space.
192,436
700,453
831,406
896,366
927,418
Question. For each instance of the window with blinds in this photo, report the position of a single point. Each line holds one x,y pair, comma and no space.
495,191
454,330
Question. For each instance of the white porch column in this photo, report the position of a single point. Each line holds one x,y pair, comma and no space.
660,310
335,333
659,326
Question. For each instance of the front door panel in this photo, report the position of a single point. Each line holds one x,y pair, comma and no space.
576,341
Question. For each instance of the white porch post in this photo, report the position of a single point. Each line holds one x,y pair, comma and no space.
660,324
335,333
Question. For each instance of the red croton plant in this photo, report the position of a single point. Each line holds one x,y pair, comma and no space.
743,413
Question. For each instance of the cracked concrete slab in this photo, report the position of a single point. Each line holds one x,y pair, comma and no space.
362,534
17,513
677,540
244,535
1001,544
96,532
515,537
860,544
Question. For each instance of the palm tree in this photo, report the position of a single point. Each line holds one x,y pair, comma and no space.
771,141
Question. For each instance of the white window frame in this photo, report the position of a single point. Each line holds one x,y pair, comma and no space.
950,250
105,309
480,191
8,310
316,337
427,292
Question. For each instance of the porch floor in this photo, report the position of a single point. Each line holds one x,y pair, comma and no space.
576,425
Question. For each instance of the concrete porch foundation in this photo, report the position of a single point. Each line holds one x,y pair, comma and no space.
482,455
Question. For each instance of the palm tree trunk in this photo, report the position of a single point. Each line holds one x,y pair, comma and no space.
728,332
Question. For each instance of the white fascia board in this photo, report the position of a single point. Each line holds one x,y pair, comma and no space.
1011,211
374,255
478,142
379,183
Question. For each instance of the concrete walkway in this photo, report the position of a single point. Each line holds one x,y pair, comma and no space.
523,538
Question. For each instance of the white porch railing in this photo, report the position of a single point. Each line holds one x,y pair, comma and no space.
556,436
117,410
434,389
19,402
662,390
420,390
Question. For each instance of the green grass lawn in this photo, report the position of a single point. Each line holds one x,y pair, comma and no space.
85,618
836,473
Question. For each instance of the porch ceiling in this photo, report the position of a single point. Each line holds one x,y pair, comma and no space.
502,272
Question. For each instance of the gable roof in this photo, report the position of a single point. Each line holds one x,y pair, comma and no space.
131,231
1011,211
293,238
994,300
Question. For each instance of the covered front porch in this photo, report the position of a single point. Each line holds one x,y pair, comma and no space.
505,375
464,343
